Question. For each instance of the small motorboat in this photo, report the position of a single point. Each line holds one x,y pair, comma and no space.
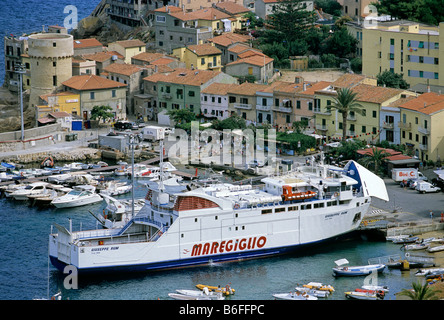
357,270
115,188
424,272
33,188
365,295
415,246
405,240
294,296
319,286
202,293
78,196
401,236
313,292
227,290
178,296
376,288
435,249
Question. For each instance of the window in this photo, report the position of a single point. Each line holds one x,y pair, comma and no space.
160,19
54,80
160,43
298,104
436,75
54,64
113,93
375,114
436,61
421,59
191,93
310,106
92,95
364,129
267,211
410,136
54,44
421,74
392,56
436,45
421,44
202,61
392,42
276,102
231,99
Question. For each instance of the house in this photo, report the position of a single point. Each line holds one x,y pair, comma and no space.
372,98
62,101
176,28
421,126
128,48
235,10
87,46
131,75
255,64
264,8
355,9
103,59
194,5
97,91
225,41
214,100
83,66
200,56
242,100
182,87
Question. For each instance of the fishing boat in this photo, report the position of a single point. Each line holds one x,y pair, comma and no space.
294,296
365,295
225,222
435,249
78,196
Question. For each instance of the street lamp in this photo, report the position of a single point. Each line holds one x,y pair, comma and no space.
20,69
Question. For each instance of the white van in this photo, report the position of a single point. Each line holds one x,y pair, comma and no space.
424,187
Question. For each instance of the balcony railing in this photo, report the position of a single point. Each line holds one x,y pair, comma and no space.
405,126
242,106
283,109
321,127
319,111
423,130
386,125
263,108
423,147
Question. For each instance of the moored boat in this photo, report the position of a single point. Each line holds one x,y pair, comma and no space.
205,292
436,249
357,270
227,290
79,196
366,295
294,296
405,240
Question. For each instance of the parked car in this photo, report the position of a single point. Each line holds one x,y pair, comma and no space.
424,187
256,163
123,125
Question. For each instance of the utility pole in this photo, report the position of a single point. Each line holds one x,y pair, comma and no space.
20,69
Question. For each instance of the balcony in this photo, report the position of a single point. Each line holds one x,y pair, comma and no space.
325,113
423,130
321,127
423,147
242,106
351,117
283,109
166,96
390,126
260,107
404,126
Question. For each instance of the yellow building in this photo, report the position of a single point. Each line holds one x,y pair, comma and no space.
405,47
128,48
366,126
200,56
59,102
421,125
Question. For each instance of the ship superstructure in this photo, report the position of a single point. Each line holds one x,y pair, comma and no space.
226,222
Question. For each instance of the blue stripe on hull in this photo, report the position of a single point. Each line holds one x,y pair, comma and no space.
191,262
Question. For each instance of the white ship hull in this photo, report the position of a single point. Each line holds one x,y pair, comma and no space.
218,232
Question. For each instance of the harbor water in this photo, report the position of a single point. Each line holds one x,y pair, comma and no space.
24,267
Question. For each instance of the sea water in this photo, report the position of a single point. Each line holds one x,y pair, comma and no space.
25,271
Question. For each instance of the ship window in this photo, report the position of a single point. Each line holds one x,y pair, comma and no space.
306,207
215,217
295,208
195,219
181,235
237,228
267,211
243,227
318,205
279,210
236,215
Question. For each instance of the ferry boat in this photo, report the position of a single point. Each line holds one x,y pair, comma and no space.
225,222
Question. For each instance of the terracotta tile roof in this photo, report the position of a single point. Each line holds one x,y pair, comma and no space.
184,76
148,56
369,93
288,87
60,114
427,103
123,68
253,60
44,97
239,47
210,14
204,49
91,82
370,151
247,88
131,43
229,38
162,61
401,101
250,53
348,80
102,56
316,86
86,43
231,7
219,88
168,8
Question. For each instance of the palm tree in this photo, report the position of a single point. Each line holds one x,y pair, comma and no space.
345,102
375,157
419,292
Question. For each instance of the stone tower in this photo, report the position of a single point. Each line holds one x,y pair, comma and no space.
51,63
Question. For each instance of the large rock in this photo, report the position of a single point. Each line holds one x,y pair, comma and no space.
10,111
88,27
